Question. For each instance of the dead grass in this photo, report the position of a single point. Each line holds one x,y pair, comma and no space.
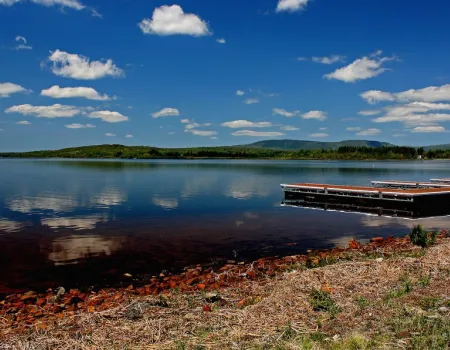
400,302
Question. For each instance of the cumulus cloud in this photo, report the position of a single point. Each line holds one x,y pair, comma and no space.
108,116
221,41
54,111
236,124
369,112
353,128
285,113
79,126
7,89
319,135
369,132
319,115
251,101
74,92
257,133
185,121
415,114
21,43
109,134
129,136
291,5
23,122
240,93
166,112
289,128
374,96
201,132
428,129
361,69
80,67
192,125
171,20
428,94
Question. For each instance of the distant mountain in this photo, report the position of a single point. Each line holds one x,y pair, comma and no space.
307,145
435,147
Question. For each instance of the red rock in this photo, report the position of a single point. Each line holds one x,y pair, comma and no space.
201,286
206,308
377,240
353,244
251,274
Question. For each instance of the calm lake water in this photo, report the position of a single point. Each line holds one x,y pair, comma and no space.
81,223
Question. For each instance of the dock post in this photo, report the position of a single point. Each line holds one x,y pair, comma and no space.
380,195
326,190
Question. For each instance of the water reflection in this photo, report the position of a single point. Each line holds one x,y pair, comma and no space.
42,203
91,217
10,226
76,223
73,249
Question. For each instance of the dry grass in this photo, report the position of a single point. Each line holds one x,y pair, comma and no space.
382,304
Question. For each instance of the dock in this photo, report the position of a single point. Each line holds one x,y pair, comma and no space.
438,183
424,201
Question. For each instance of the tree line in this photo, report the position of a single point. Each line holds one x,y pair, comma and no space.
147,152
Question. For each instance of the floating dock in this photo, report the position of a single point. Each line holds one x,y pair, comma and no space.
441,181
422,201
410,184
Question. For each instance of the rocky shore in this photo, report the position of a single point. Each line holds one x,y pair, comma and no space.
273,301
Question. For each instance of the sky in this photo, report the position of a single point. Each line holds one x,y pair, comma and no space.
223,72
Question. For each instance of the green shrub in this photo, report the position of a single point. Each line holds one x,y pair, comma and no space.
419,236
322,301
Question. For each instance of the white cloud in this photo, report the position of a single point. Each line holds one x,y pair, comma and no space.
257,133
251,101
23,122
73,4
291,5
369,132
323,129
369,112
201,132
21,43
221,41
289,128
328,60
353,128
109,134
79,126
428,129
319,115
7,89
171,20
129,136
236,124
195,125
415,114
8,2
54,111
285,113
319,135
185,121
80,67
108,116
77,223
361,69
240,93
40,203
166,112
428,94
73,92
213,138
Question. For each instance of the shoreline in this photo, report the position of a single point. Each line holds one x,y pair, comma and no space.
33,312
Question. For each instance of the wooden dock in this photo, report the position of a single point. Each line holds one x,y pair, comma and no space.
420,200
410,184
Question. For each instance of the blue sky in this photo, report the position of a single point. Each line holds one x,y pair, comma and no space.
222,72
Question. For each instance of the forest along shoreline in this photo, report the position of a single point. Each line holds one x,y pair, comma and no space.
390,291
236,152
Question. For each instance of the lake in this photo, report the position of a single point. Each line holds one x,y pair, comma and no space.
80,223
